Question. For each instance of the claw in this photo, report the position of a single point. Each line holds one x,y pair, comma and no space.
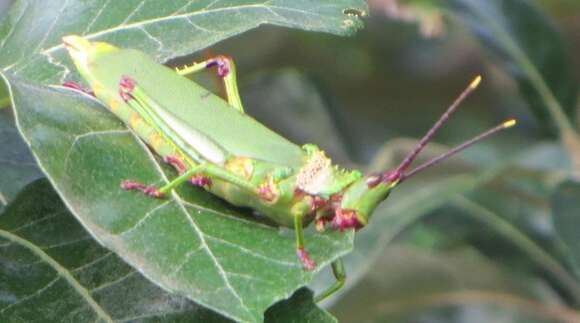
176,163
222,63
152,191
308,263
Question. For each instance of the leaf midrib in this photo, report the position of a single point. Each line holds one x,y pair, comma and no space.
61,270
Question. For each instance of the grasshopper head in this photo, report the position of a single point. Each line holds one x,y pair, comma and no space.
83,52
359,200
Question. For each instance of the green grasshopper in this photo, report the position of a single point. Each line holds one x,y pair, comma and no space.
214,144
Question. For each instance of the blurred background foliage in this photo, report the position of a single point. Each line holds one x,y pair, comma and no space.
491,236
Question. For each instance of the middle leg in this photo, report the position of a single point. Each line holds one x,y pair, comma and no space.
226,70
301,252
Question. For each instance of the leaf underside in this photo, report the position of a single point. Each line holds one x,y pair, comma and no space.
31,46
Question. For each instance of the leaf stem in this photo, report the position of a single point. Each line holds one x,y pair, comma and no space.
523,242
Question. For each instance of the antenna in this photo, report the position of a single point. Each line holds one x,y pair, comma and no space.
505,125
399,171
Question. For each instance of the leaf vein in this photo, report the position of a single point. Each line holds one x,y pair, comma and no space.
77,138
198,27
18,20
185,260
30,296
211,255
236,218
92,262
178,11
145,217
132,13
125,25
113,282
97,15
153,38
66,243
249,277
253,253
51,27
36,221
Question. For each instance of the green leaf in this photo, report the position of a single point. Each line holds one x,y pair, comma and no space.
530,50
300,308
32,49
192,244
565,203
51,269
17,165
44,251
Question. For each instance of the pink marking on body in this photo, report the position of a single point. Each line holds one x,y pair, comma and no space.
222,63
308,263
176,163
345,219
152,191
126,87
266,193
78,87
201,181
317,203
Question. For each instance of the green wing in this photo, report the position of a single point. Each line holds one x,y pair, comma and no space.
238,133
